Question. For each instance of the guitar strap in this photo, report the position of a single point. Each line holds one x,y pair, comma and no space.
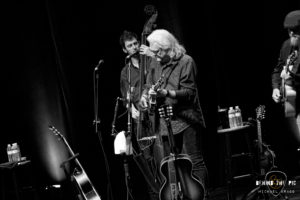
171,69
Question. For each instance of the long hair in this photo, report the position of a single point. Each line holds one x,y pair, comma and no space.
167,41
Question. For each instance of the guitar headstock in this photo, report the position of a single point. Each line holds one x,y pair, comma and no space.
150,24
165,111
159,83
260,112
56,132
292,57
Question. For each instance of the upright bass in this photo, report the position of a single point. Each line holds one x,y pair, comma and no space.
148,27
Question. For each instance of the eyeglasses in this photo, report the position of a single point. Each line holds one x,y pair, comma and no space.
155,52
158,52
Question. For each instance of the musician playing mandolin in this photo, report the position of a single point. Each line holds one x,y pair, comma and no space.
286,76
178,73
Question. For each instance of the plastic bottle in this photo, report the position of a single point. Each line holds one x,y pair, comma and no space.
16,154
13,152
238,116
231,117
9,153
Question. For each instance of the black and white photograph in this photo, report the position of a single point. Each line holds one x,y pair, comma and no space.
150,100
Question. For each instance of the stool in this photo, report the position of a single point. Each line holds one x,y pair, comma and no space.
227,134
13,184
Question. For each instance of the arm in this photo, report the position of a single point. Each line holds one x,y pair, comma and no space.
187,82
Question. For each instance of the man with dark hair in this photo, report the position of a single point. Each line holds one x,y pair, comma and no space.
129,86
131,46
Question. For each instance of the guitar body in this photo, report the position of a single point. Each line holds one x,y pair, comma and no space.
266,159
184,186
179,183
85,186
290,102
288,93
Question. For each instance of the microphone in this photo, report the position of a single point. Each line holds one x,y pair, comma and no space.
99,63
130,56
113,126
121,99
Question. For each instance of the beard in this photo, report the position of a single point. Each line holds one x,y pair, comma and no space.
295,41
165,59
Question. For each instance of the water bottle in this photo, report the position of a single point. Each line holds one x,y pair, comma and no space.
231,117
16,154
9,153
238,116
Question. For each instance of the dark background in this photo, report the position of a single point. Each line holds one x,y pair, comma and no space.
52,47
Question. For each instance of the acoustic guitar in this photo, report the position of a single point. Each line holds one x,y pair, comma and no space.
179,182
288,94
79,177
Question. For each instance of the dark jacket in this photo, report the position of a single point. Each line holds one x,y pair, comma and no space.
285,51
181,76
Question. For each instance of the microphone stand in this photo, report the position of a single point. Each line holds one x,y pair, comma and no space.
129,131
97,121
113,124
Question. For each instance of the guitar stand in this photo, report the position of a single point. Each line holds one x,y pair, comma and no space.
63,165
127,177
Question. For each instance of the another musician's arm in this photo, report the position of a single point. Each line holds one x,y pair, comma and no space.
276,76
143,103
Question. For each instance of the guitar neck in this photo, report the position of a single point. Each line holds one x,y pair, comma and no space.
260,143
171,136
259,136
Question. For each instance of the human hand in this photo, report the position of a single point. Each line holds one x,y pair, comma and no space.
284,73
276,95
145,50
134,112
143,103
162,92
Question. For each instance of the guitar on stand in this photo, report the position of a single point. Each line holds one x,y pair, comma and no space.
266,156
265,159
288,93
176,168
79,177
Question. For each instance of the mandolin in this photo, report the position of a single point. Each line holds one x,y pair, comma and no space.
265,154
79,177
152,96
176,168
